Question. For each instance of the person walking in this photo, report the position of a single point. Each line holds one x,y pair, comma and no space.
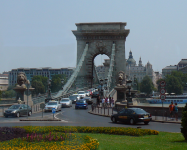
103,101
98,101
171,107
106,99
108,102
112,102
176,111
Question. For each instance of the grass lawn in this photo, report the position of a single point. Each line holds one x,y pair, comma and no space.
163,141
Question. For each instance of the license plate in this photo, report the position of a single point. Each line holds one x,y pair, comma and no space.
145,116
147,120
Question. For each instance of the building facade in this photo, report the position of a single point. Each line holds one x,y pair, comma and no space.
30,72
181,66
139,71
4,81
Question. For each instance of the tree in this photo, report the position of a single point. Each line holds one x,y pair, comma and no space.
39,87
44,81
146,85
56,84
173,85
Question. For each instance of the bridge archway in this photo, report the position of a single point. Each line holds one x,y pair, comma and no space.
100,38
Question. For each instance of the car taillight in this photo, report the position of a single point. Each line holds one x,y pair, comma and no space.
149,115
84,104
139,116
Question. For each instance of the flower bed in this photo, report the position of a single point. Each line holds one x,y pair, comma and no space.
61,137
106,130
52,140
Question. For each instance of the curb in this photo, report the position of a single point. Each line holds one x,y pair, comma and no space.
151,120
39,120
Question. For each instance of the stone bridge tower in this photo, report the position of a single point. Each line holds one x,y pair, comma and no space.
100,37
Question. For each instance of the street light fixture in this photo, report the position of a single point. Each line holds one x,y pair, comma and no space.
62,81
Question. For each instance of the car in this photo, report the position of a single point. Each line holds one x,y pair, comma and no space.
66,102
52,104
90,92
74,98
88,100
82,94
81,104
95,94
87,93
132,116
18,110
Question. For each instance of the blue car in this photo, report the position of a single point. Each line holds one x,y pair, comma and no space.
81,104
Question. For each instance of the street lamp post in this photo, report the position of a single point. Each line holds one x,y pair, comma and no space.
101,83
129,95
49,91
106,86
135,83
62,81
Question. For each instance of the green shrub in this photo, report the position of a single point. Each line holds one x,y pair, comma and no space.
184,122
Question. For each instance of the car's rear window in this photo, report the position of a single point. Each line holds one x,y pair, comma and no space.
52,103
64,100
81,93
81,101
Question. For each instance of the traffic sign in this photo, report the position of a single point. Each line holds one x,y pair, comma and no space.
162,97
42,105
162,83
162,91
53,110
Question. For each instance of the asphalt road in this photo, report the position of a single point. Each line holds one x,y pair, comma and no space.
72,117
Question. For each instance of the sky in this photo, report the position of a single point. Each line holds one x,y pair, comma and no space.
38,33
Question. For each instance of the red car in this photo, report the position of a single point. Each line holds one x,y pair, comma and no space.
90,92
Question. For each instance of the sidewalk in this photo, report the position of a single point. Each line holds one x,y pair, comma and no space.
107,112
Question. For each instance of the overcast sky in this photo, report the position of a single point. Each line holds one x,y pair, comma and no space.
38,33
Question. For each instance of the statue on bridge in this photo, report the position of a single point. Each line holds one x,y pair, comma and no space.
121,79
22,80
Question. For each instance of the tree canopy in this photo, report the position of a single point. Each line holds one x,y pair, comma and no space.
40,84
56,84
146,85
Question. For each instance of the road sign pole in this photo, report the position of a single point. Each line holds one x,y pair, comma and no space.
42,112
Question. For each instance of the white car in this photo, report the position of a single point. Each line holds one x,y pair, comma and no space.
66,102
81,94
52,104
87,93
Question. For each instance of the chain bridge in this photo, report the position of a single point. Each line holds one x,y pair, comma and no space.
94,39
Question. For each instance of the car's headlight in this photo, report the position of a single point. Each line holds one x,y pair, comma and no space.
14,111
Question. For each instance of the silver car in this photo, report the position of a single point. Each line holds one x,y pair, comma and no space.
52,104
66,102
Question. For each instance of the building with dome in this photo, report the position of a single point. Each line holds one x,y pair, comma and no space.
181,66
139,71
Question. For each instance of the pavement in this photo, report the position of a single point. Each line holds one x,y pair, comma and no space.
107,112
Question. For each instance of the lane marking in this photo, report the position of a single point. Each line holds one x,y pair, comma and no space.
58,118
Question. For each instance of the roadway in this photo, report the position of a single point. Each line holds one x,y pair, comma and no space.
78,117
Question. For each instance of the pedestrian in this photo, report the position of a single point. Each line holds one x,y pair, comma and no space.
103,101
98,101
176,111
112,102
171,107
108,102
106,99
